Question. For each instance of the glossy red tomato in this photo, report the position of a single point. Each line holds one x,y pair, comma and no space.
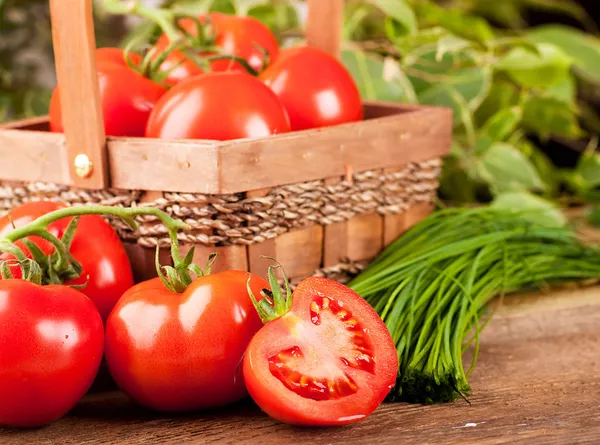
127,97
329,361
181,352
218,106
116,56
243,37
315,88
95,245
51,345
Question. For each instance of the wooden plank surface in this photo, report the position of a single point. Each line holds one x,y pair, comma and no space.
537,382
400,136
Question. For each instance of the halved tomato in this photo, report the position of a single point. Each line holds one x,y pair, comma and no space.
329,361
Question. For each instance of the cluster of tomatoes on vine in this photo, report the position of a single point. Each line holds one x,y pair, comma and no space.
184,341
220,77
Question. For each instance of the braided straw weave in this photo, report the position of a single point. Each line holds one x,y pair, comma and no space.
236,219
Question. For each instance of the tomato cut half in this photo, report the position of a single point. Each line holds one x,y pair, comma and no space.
329,361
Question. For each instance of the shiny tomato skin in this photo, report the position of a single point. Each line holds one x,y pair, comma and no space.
240,36
181,352
127,97
116,56
315,88
96,246
51,345
218,106
323,348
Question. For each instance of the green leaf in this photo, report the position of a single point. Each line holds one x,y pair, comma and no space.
549,67
243,7
546,116
456,21
451,44
455,183
588,170
584,49
375,79
400,17
433,76
532,207
593,216
504,168
502,124
502,95
565,90
277,17
544,166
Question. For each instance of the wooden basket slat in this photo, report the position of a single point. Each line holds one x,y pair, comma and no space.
236,166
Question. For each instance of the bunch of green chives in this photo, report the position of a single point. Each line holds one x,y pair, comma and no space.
432,285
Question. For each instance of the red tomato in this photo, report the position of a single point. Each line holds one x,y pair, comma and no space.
51,345
116,56
127,97
218,106
315,88
240,36
181,352
96,246
329,361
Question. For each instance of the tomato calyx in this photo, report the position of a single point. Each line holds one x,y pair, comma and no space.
178,277
60,266
199,46
273,304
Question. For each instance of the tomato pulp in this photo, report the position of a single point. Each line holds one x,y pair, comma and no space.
127,97
96,246
181,352
219,106
315,88
51,344
244,37
329,361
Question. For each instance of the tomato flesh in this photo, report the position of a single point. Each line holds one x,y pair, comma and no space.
329,361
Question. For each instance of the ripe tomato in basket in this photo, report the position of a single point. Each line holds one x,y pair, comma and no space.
315,88
174,351
219,106
126,96
51,342
323,358
244,37
96,246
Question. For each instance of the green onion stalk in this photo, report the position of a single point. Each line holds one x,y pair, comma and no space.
432,287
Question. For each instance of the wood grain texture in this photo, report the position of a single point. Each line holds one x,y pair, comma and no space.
405,135
324,25
537,382
74,52
228,257
33,156
33,124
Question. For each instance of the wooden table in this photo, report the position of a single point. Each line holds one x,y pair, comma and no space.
537,381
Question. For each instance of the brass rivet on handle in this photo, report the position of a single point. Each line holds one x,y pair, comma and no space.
83,166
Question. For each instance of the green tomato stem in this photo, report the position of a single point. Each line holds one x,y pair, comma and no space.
126,214
164,18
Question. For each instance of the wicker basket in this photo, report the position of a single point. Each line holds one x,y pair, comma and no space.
322,201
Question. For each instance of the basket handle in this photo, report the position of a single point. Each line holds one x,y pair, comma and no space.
74,52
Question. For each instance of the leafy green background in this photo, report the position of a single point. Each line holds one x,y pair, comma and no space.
515,88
